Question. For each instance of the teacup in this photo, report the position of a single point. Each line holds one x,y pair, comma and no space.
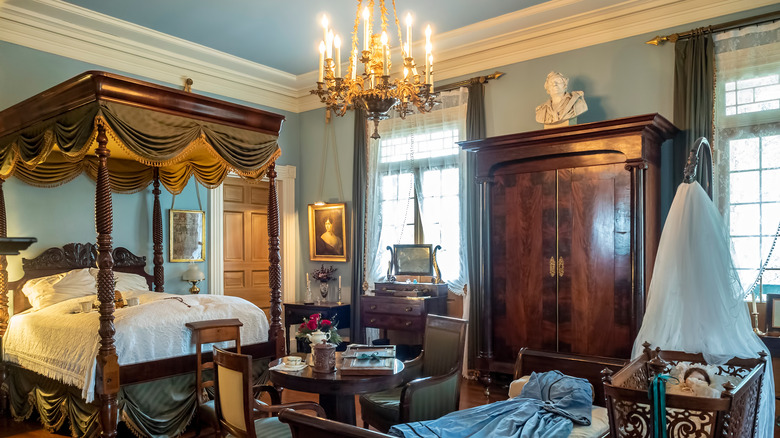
133,301
86,306
291,361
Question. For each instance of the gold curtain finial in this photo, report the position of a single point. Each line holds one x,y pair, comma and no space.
658,40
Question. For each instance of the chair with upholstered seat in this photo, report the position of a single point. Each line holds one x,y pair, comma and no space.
429,397
209,332
238,412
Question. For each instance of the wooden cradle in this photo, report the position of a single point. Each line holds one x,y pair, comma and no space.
734,414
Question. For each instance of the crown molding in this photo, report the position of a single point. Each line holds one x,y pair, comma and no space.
552,27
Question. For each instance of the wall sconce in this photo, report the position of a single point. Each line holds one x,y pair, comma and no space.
193,275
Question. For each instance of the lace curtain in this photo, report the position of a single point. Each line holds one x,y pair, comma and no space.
747,149
417,161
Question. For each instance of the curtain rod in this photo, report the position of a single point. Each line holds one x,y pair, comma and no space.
465,82
758,19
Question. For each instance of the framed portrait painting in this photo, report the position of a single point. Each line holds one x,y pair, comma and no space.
773,313
328,232
188,230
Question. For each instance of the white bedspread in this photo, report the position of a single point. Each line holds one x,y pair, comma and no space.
62,344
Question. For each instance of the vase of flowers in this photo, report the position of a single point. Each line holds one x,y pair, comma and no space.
317,328
324,276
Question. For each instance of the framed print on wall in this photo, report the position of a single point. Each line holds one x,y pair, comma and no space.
328,232
188,231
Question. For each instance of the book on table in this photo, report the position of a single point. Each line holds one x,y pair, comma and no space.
368,359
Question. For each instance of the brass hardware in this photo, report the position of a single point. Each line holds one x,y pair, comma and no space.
409,309
552,266
560,266
373,307
408,323
373,320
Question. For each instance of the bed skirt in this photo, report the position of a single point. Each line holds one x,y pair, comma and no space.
141,408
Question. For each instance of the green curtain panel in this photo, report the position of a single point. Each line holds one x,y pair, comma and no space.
360,173
475,129
694,81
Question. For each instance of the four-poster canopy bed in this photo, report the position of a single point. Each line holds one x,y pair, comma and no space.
153,135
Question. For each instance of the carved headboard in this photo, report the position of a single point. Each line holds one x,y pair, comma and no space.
73,256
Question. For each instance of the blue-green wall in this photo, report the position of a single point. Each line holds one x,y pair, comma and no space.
56,216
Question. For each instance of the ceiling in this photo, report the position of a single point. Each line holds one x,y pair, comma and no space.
285,34
265,52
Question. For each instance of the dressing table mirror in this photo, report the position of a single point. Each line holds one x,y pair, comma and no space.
414,260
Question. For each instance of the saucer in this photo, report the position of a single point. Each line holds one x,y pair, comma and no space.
283,367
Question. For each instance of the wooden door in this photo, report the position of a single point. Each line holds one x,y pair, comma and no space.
246,241
523,240
594,241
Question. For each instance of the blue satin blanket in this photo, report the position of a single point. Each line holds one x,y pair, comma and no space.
547,407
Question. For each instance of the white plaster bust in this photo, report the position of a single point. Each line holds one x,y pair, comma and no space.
562,108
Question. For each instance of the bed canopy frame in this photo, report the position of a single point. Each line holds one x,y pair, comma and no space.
154,135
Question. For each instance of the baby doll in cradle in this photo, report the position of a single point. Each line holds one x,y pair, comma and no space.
692,381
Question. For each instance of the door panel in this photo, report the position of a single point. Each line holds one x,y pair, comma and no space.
246,260
594,241
523,242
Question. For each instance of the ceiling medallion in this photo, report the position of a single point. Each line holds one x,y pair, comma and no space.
373,90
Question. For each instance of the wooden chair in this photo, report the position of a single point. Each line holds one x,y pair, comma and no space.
209,332
424,398
307,426
238,412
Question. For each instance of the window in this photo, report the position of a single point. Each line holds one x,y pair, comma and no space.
747,145
415,186
420,193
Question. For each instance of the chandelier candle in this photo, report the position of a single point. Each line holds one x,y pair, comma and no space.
373,90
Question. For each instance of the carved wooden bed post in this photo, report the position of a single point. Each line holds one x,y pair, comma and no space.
157,236
274,270
107,383
4,314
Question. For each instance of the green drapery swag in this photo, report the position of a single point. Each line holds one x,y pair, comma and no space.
54,151
143,411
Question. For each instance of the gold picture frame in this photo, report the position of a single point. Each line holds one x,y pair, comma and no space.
187,236
328,232
773,313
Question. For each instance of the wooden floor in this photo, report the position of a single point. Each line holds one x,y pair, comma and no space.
471,395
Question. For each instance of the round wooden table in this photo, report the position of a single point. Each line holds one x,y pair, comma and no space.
337,392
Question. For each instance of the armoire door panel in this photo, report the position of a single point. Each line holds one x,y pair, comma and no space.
524,300
595,284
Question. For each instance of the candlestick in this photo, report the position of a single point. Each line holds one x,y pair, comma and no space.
339,281
329,45
408,35
337,43
322,61
384,53
366,30
324,27
754,302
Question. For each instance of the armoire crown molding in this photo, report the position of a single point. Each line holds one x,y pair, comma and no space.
552,27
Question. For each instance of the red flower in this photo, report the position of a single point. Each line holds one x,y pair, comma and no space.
312,325
325,322
314,317
303,326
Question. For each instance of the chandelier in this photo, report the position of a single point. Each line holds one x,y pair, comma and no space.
373,90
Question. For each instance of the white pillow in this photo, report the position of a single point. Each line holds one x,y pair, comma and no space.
78,282
125,281
38,287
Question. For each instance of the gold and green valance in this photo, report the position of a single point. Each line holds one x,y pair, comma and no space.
148,127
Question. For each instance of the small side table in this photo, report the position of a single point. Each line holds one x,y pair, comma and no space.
294,313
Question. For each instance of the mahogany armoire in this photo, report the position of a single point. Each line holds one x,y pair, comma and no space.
569,224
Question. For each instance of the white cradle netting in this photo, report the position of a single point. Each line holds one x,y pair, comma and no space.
695,302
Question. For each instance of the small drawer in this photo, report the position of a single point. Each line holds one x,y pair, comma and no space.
394,322
410,307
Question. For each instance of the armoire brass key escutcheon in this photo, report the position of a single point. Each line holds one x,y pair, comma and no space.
552,266
560,266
